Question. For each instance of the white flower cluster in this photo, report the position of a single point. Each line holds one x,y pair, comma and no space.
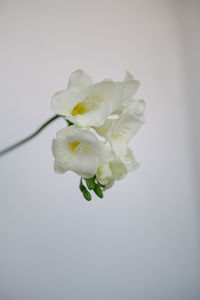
103,119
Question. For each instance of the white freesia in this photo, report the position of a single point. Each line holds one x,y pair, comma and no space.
118,132
108,173
130,85
79,150
105,117
116,169
87,104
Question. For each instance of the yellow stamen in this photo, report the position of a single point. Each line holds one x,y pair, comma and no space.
74,145
79,109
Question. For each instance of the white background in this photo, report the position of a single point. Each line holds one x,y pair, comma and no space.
141,242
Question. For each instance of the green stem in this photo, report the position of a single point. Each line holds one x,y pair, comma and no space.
12,147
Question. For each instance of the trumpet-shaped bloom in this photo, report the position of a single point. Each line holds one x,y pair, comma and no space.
116,169
87,104
79,150
119,131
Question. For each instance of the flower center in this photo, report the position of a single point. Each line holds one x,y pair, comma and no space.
73,146
91,102
79,109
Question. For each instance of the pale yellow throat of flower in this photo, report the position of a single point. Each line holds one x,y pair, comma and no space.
90,103
79,109
73,146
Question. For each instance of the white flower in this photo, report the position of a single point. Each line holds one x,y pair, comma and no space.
106,107
108,173
116,169
130,86
87,104
79,150
118,132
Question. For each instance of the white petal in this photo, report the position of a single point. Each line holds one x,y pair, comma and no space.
119,145
130,85
140,107
63,102
135,108
127,125
109,184
111,93
92,118
60,169
106,154
105,128
84,164
130,88
129,161
108,79
132,118
118,168
128,76
79,80
104,174
60,150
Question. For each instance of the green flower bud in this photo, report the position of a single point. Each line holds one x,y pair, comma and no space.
81,186
85,192
90,182
87,195
98,191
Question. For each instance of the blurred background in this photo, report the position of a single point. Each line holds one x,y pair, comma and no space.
141,242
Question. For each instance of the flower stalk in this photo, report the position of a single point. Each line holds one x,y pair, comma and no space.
30,137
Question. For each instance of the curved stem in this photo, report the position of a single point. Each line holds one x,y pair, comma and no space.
12,147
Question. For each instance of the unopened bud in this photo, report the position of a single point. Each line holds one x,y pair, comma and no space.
90,182
87,195
98,191
85,192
